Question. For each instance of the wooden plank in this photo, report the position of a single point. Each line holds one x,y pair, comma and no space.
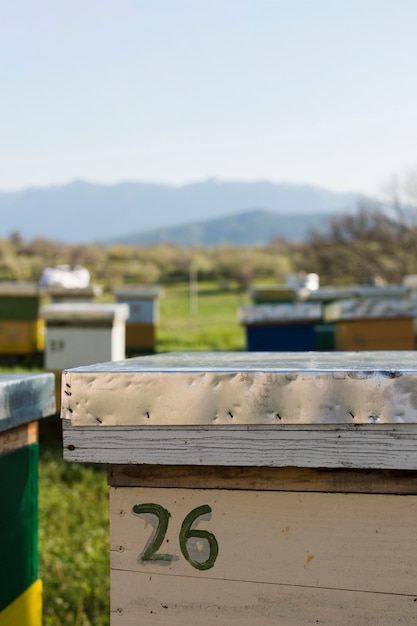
379,446
18,437
342,558
157,600
263,478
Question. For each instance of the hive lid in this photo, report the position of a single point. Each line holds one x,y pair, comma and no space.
84,311
280,313
25,398
18,289
330,294
229,389
142,292
370,308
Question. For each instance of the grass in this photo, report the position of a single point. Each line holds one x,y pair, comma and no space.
73,538
206,322
73,497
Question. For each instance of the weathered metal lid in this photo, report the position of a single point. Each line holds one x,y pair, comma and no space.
25,398
19,289
218,389
330,294
84,311
280,313
143,292
370,308
368,291
325,294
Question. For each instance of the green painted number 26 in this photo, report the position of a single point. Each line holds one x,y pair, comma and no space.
188,536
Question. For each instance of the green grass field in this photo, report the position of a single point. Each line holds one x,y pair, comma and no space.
73,497
206,322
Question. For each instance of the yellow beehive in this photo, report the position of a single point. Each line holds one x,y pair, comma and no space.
22,337
372,323
385,334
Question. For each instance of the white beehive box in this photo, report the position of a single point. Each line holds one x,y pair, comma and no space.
83,333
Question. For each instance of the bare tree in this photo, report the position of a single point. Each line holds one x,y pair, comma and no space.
379,240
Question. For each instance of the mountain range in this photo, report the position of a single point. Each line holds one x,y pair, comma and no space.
249,228
205,213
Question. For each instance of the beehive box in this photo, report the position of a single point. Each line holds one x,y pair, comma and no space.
20,337
21,328
373,323
24,399
143,319
82,333
273,295
19,301
281,327
254,488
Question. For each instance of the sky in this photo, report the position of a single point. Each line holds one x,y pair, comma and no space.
319,92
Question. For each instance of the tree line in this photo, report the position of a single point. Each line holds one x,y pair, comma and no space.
375,243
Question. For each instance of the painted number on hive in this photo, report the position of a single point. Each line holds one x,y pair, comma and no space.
194,543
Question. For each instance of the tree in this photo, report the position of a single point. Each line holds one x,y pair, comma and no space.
377,241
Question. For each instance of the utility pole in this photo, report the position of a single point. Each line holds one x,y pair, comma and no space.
193,288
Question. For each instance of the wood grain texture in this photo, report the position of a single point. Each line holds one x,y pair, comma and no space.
284,557
358,447
18,437
263,478
160,601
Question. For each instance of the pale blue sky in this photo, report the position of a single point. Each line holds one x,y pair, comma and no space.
320,92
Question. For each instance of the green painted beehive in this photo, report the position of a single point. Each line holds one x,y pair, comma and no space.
24,399
19,301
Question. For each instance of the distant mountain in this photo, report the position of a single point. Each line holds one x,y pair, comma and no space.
250,228
82,212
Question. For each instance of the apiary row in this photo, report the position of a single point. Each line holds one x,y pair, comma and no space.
341,319
24,316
